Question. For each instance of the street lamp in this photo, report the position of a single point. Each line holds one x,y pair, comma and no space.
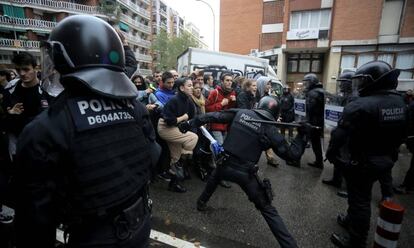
214,23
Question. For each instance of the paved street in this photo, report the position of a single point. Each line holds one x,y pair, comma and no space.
308,207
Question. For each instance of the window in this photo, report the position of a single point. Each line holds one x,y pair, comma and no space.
389,58
304,63
391,15
405,62
348,61
398,57
317,19
365,58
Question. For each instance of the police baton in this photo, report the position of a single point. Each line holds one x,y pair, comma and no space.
282,124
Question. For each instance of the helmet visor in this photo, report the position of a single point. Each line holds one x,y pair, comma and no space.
49,76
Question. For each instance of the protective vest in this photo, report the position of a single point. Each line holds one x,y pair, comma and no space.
243,139
109,152
383,127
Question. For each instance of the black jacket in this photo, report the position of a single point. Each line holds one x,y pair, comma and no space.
247,140
130,62
245,100
177,106
371,129
315,104
83,156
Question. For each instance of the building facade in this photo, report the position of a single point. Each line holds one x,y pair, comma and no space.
25,23
326,37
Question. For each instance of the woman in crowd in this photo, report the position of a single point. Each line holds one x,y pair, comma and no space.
246,99
202,155
178,109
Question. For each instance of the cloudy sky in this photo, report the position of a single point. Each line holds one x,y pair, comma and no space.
199,14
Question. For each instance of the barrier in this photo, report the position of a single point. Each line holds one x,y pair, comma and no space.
388,225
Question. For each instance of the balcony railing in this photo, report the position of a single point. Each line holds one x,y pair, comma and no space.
147,1
19,44
145,72
143,57
56,5
143,28
163,12
138,41
143,12
23,23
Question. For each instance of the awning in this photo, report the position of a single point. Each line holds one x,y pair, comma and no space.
124,27
13,11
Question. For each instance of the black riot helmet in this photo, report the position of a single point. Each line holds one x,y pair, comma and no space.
345,82
87,49
373,76
310,81
268,107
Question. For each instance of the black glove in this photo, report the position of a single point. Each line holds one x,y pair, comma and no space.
305,128
184,126
265,142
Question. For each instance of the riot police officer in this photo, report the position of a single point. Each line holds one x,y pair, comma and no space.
372,128
287,110
238,163
315,104
85,161
345,89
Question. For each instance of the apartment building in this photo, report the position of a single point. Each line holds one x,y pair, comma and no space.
321,36
167,19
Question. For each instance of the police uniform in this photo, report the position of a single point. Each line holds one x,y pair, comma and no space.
241,157
372,128
315,102
85,161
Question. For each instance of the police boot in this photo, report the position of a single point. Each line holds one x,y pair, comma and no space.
201,206
332,182
340,241
343,221
317,164
198,167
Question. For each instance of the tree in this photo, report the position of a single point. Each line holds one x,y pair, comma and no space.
168,48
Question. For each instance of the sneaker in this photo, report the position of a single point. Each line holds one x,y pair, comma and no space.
6,219
166,176
342,193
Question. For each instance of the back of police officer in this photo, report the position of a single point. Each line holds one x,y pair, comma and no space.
85,162
315,104
372,127
243,146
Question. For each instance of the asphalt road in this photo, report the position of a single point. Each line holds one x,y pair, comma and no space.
308,207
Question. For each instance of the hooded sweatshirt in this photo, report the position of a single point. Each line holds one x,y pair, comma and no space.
261,86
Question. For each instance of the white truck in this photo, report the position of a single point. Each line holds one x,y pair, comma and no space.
218,62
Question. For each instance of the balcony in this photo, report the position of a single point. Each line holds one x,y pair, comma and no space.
132,6
138,41
22,45
163,12
164,26
148,2
143,57
145,72
141,27
52,5
22,23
